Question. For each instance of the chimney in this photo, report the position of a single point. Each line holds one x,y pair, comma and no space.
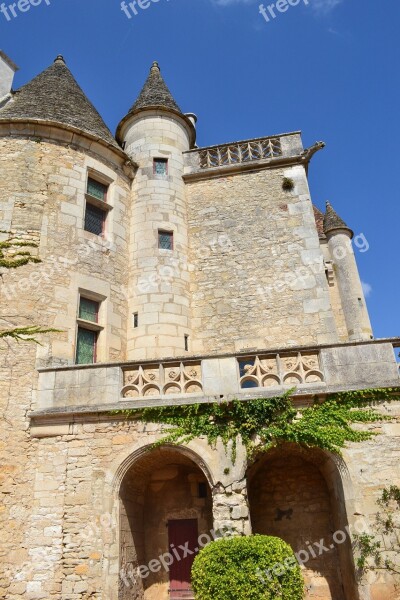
7,72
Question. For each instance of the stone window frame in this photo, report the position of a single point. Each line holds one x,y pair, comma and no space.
170,233
95,326
163,160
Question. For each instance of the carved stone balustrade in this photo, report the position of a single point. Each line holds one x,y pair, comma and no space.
277,370
163,379
98,388
244,153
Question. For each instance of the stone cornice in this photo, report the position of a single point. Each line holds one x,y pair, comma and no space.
253,166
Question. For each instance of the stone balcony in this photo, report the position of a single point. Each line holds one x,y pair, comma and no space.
83,390
259,152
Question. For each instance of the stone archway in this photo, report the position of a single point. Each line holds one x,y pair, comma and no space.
298,495
164,487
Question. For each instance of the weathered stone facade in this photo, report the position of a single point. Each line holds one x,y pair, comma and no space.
252,294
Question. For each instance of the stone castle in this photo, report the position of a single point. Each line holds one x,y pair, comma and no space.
176,275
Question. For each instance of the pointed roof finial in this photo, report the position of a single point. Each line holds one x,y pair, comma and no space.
332,221
155,66
59,58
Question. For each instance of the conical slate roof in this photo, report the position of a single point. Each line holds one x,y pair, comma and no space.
155,93
332,220
55,96
319,221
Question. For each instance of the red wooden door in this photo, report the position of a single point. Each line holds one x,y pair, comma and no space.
182,536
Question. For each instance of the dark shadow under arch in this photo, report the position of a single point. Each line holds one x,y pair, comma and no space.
298,495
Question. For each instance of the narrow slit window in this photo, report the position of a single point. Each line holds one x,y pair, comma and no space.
186,343
161,167
135,320
165,240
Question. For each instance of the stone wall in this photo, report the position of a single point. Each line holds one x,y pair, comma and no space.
253,246
42,187
62,534
47,199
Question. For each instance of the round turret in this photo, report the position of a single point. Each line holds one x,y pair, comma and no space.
155,134
339,237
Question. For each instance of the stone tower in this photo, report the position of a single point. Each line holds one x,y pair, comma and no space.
177,275
344,263
155,133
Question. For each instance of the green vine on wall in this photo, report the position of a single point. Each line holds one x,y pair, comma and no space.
14,253
379,550
27,334
266,422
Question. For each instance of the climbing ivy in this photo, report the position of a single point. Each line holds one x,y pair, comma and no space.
374,554
26,334
14,253
266,422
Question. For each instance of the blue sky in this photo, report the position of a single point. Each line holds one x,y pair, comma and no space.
329,68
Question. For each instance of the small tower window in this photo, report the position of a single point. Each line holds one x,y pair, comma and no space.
186,343
161,167
135,320
165,240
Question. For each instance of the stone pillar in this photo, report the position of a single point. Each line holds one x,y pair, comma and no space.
350,289
230,502
231,508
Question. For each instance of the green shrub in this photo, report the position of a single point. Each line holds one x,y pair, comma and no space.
247,568
288,184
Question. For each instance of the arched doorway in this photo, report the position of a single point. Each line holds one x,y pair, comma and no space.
165,506
297,495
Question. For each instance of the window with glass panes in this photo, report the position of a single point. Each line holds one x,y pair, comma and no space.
86,346
161,166
95,215
97,189
165,240
86,338
88,310
94,219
